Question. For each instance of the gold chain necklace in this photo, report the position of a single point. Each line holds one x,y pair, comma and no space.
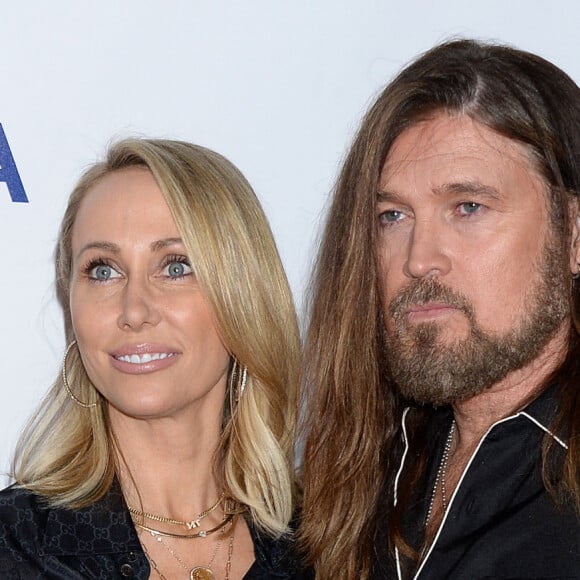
190,525
201,534
204,572
153,563
197,572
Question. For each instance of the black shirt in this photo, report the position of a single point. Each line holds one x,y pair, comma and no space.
500,522
100,542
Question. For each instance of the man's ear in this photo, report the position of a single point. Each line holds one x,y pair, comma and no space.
575,238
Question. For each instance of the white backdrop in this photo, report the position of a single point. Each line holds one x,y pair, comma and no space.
278,87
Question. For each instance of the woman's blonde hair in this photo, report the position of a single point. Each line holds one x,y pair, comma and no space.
68,453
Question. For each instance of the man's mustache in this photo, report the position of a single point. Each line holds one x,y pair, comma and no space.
423,291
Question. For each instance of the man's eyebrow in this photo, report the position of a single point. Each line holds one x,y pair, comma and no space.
468,187
474,188
386,195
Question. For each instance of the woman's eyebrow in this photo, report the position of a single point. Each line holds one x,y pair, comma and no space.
107,246
115,249
160,244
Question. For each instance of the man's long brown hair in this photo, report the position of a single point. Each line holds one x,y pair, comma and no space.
353,444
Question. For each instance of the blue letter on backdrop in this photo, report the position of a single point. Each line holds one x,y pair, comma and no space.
9,172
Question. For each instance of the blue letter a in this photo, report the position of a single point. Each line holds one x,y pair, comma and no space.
9,172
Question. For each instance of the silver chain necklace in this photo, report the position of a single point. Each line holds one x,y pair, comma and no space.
442,475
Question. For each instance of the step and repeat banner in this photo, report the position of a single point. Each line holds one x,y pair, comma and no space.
277,87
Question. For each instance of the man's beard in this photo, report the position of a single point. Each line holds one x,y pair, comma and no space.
439,374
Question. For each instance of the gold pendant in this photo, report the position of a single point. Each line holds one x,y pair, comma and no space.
201,573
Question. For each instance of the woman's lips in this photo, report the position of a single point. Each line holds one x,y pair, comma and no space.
143,358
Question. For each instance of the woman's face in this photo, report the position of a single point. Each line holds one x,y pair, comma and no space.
146,334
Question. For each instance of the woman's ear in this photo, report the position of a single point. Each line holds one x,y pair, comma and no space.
575,239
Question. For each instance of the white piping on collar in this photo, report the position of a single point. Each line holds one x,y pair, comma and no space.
543,428
465,470
404,425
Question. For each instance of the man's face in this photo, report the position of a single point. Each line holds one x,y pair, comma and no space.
473,282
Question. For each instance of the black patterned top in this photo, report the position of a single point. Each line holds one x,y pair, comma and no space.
100,542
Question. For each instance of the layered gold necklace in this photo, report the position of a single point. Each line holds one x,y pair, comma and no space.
190,525
197,572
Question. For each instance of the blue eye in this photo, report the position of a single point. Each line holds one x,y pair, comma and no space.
102,272
391,216
177,269
469,207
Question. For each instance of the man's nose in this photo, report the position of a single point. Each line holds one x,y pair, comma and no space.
427,253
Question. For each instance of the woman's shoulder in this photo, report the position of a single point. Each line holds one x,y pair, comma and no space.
22,514
20,507
21,511
38,540
17,495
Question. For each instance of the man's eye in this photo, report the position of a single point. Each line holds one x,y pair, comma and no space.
177,269
391,216
102,273
469,208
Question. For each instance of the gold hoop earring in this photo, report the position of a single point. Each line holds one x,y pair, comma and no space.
242,382
238,380
67,386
